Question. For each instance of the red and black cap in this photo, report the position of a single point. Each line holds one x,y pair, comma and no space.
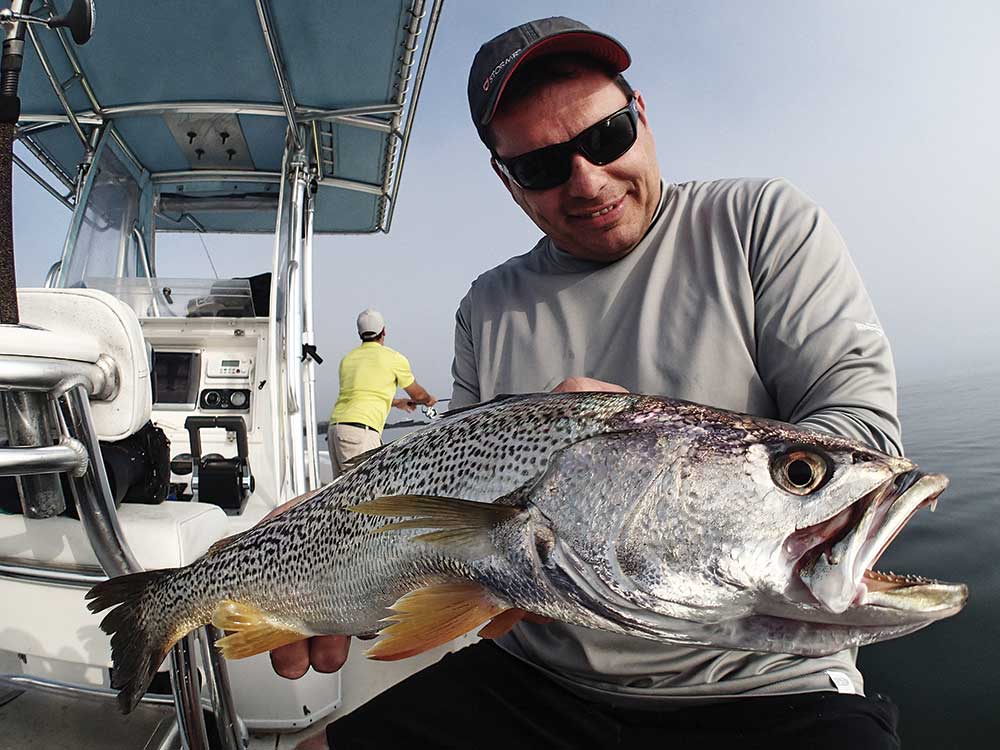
497,60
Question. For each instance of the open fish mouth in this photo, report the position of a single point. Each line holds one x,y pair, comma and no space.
836,558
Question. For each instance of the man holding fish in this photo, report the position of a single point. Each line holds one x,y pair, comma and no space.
698,576
735,293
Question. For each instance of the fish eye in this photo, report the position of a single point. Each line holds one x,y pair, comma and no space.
800,471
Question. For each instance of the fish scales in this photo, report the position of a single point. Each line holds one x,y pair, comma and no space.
634,514
478,458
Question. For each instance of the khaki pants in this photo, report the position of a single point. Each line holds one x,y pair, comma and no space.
346,441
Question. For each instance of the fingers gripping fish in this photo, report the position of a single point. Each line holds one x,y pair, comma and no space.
628,513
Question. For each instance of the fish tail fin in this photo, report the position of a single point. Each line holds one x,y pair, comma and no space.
142,629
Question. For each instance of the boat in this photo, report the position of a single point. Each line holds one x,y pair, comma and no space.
145,418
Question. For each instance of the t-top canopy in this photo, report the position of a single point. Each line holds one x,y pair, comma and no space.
201,95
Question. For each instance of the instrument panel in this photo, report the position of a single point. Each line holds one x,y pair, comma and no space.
199,380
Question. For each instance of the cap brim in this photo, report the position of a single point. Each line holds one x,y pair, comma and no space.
594,44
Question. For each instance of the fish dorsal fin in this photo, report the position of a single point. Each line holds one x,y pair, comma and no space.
492,402
433,615
463,525
355,461
252,631
226,541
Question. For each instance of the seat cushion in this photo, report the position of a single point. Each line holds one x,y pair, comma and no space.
50,621
167,535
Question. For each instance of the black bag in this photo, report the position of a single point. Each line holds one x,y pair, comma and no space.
138,469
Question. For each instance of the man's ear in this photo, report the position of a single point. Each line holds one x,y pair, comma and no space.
640,105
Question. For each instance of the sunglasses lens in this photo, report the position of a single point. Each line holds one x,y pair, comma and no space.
608,140
542,169
601,144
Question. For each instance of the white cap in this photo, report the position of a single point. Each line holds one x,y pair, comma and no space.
370,322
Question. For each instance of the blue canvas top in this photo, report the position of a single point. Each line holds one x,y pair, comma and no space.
201,60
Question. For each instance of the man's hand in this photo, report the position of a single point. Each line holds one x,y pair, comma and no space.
576,383
404,403
324,653
327,653
419,395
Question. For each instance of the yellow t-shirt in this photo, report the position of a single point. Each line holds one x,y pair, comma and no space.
369,377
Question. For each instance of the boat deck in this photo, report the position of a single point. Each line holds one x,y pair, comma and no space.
36,720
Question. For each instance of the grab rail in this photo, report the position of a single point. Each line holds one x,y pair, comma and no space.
69,456
58,375
72,385
83,576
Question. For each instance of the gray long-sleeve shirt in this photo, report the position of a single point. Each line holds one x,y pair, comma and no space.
741,296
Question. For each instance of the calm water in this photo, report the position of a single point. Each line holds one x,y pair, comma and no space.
946,678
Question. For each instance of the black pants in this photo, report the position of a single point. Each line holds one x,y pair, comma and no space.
481,697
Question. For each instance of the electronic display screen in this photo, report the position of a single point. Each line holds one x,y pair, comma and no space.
230,363
175,377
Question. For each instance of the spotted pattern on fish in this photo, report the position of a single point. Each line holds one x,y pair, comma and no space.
330,563
669,525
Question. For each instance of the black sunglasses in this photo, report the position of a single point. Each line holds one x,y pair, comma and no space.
600,144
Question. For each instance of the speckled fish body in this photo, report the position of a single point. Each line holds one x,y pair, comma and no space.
628,513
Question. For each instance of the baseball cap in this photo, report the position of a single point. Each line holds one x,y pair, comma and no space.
370,322
498,58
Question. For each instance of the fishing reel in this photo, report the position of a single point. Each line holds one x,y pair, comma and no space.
431,413
79,19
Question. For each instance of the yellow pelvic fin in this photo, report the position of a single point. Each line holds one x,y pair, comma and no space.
433,615
251,630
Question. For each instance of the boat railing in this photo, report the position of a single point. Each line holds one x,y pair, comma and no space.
28,386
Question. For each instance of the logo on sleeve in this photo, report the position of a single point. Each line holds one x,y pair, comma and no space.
873,327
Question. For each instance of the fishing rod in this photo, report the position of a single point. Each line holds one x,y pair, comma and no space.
80,21
428,411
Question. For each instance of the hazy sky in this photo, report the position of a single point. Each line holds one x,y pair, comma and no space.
886,113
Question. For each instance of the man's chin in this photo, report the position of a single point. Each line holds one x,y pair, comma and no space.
609,249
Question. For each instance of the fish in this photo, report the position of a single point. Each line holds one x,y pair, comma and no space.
629,513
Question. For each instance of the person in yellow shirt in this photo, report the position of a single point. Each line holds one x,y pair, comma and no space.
369,377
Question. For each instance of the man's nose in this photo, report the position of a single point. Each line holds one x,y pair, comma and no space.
585,178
